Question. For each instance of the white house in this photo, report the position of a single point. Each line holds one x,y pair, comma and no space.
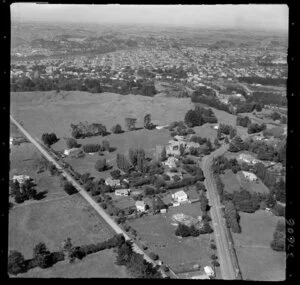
70,151
249,176
209,271
171,162
21,178
112,182
180,196
203,276
247,158
122,192
140,206
11,140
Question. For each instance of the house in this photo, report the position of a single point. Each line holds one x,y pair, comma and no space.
140,206
179,138
122,192
209,271
173,147
70,151
112,182
172,174
11,140
249,176
190,145
180,196
20,178
247,158
171,162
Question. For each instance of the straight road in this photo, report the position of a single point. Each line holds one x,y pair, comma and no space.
87,197
226,264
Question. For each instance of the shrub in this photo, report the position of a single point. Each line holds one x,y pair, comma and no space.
153,256
91,148
117,129
71,143
100,165
49,139
69,188
16,263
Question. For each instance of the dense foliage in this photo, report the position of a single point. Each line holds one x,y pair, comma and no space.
83,130
49,139
278,242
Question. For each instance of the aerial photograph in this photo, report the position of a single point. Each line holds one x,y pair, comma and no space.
148,141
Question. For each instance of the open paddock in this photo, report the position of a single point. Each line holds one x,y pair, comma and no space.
97,265
256,258
159,235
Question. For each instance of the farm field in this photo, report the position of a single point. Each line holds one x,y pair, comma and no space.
53,219
233,182
50,111
158,234
256,258
97,265
251,186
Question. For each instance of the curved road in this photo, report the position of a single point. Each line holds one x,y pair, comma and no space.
226,264
87,197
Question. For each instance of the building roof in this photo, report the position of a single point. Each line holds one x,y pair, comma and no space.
140,204
180,193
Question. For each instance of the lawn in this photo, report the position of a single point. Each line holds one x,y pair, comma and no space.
257,260
54,112
53,221
251,186
230,181
97,265
158,234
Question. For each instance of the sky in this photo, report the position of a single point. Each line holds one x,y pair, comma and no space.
265,17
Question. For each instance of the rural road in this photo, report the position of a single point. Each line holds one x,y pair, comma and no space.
226,263
87,197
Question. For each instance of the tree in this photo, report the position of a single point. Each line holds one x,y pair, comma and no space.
147,122
16,262
117,129
217,143
115,174
130,123
232,217
226,140
182,230
124,253
123,163
42,255
181,149
153,256
49,139
278,242
71,143
203,203
163,154
232,133
69,188
101,165
105,145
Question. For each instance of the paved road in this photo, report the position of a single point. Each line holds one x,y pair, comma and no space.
86,196
226,264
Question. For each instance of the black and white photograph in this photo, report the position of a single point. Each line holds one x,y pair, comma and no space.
148,141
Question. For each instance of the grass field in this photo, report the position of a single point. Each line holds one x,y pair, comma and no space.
257,260
231,183
48,111
251,186
158,234
97,265
53,219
